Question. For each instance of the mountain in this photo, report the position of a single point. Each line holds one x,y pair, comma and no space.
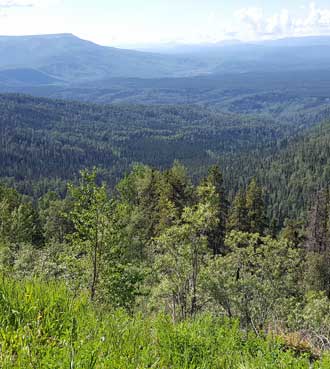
75,61
221,46
272,77
177,48
67,57
26,77
299,41
232,56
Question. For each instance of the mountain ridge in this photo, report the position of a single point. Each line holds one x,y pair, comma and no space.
70,58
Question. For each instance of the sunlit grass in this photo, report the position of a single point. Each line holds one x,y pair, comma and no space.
42,325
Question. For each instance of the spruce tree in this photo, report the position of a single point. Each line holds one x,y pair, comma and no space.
318,224
238,213
255,208
216,236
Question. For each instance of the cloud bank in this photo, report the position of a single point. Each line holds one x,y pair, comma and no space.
315,21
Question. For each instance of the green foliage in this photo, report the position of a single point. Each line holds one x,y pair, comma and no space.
90,219
54,217
42,325
162,245
254,280
179,253
248,212
216,236
255,208
17,217
238,213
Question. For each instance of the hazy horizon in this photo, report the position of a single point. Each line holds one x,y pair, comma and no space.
232,41
143,22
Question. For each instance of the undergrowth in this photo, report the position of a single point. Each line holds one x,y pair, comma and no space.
43,325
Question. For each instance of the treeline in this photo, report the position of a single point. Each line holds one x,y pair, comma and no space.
162,244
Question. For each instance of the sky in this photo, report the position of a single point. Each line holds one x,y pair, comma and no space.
128,22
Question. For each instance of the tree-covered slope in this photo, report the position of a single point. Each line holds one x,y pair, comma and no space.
25,77
43,138
277,94
297,171
46,142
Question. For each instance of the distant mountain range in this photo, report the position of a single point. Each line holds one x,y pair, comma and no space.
65,66
182,48
71,59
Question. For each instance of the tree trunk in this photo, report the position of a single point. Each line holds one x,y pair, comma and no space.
94,278
96,247
194,283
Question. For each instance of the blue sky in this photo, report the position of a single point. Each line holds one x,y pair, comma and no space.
123,22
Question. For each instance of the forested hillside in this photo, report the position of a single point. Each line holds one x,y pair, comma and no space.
152,241
292,173
47,139
274,93
46,142
297,171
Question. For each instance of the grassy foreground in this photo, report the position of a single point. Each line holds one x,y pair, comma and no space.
42,325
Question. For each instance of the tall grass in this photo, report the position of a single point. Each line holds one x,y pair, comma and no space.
42,325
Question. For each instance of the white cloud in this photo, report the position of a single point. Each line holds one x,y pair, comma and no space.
5,4
252,17
257,24
9,4
248,23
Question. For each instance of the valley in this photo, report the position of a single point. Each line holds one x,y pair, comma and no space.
166,207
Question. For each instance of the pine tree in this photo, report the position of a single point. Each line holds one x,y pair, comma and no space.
318,236
238,213
255,208
293,232
317,244
216,236
176,192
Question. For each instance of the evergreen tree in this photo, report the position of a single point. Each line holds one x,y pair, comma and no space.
176,192
293,232
318,244
255,208
238,213
318,232
216,236
55,220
